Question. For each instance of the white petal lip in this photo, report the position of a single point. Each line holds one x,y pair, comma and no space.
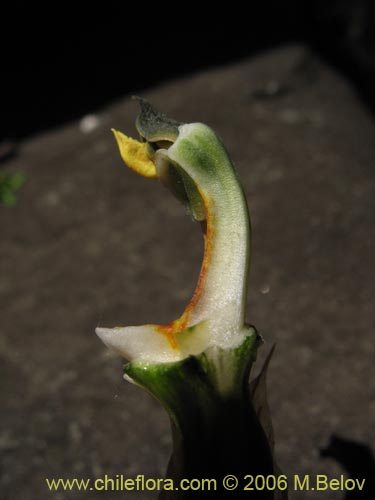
139,342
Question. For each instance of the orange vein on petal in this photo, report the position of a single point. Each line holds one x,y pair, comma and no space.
208,243
136,155
170,329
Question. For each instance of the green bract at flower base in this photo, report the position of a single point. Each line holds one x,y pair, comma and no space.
198,365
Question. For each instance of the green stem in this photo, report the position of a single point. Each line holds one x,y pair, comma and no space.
215,432
231,441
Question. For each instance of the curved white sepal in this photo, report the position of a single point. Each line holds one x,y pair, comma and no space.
215,316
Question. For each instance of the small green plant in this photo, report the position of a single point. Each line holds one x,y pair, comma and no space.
198,365
9,184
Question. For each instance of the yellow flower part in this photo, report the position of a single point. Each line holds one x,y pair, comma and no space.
136,155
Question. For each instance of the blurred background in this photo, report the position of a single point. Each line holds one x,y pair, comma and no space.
289,86
60,63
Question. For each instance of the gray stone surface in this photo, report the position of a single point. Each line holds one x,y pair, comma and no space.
91,243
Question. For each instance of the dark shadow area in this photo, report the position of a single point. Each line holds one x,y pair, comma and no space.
357,460
58,65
